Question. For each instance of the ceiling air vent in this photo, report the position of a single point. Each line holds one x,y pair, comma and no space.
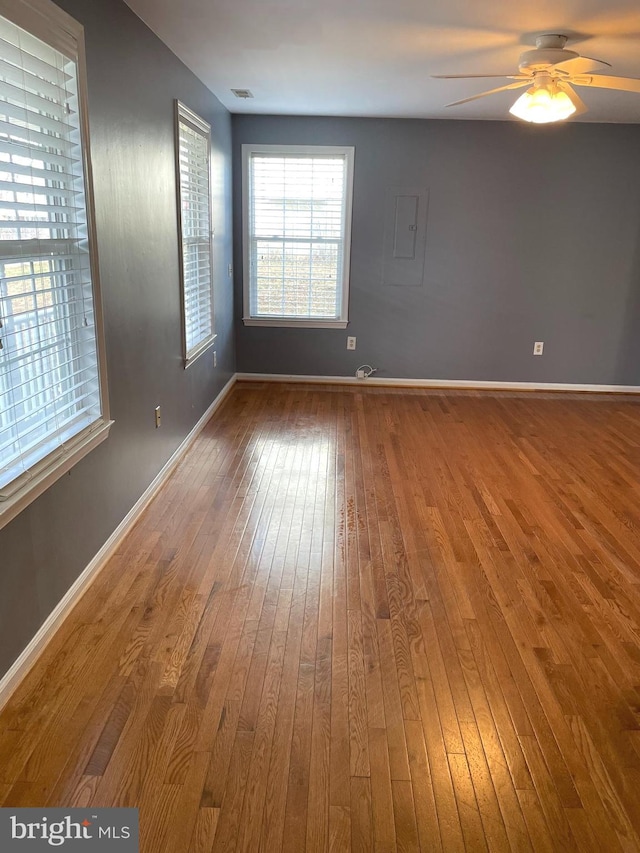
242,93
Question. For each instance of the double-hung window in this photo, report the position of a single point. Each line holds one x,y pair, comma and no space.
297,234
196,236
53,402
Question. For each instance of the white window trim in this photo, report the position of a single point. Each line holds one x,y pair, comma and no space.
183,113
48,22
290,322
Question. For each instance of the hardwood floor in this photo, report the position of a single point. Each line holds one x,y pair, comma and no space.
362,619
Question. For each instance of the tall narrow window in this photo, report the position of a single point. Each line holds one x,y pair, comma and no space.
297,226
193,159
53,404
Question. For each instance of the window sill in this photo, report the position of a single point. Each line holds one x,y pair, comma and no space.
295,324
46,477
196,352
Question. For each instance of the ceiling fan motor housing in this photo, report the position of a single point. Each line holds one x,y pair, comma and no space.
536,60
549,51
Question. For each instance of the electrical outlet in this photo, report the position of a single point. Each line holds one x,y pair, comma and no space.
230,270
360,374
538,347
158,417
351,343
215,358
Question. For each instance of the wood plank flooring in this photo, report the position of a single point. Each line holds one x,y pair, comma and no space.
362,620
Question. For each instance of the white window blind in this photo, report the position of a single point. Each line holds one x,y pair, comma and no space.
194,145
50,391
297,225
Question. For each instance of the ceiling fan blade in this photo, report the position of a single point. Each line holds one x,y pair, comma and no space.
479,76
598,81
581,65
517,85
573,96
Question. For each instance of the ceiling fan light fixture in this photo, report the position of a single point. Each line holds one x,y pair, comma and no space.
543,105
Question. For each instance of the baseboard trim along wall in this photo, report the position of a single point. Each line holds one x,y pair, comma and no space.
453,384
32,652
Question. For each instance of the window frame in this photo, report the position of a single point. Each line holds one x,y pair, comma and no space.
346,151
53,26
184,114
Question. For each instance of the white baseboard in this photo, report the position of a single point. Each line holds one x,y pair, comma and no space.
454,384
32,652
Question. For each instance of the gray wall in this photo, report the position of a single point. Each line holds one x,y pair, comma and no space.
533,234
133,80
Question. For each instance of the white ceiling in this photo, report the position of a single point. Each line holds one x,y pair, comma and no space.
375,57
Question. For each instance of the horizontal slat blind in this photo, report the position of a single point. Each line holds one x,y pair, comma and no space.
49,377
296,216
195,222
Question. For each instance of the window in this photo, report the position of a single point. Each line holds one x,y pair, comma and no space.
297,235
193,157
53,403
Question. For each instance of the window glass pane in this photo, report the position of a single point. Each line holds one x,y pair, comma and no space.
49,378
195,223
297,210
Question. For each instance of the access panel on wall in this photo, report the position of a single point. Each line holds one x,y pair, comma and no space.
405,236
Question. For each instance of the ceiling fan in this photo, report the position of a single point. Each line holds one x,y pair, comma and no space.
550,71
